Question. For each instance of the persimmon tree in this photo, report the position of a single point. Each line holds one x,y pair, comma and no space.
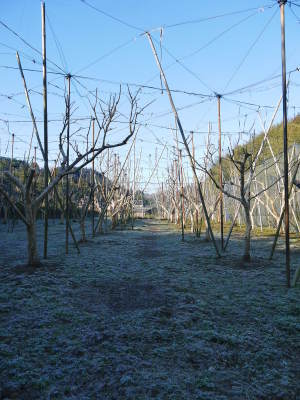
106,115
241,190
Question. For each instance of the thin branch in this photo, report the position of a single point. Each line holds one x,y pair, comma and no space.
13,205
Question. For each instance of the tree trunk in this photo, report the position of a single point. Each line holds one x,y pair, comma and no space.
5,214
192,222
114,221
100,229
177,216
247,256
207,237
82,229
30,213
172,216
296,277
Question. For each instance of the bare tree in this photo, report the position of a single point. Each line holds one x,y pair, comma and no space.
31,201
245,165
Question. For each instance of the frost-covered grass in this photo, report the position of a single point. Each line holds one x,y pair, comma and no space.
141,315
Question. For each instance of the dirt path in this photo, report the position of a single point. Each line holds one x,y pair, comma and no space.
141,315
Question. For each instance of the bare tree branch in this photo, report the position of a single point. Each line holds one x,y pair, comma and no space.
13,205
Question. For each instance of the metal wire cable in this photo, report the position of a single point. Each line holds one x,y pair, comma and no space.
58,45
112,17
196,21
114,50
250,49
29,45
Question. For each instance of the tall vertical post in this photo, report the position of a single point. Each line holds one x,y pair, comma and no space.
12,152
11,170
285,145
55,194
106,189
220,173
46,169
115,166
35,178
162,201
93,179
181,194
68,161
35,157
195,187
133,187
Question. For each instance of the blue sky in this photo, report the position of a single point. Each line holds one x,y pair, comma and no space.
221,54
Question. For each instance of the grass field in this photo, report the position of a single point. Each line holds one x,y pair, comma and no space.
141,315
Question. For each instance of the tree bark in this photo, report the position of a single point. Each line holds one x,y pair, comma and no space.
5,214
82,229
247,256
33,257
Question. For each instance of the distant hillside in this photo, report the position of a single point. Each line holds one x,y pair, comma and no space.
5,163
276,140
21,170
19,166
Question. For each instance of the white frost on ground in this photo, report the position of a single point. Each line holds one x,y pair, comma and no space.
141,315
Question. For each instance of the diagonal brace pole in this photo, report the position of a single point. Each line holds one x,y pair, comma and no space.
185,144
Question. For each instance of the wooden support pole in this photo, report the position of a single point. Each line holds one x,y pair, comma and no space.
39,140
93,179
220,174
46,176
185,144
35,156
68,161
12,152
285,146
30,107
195,188
162,200
283,213
232,225
106,192
181,194
11,163
133,187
